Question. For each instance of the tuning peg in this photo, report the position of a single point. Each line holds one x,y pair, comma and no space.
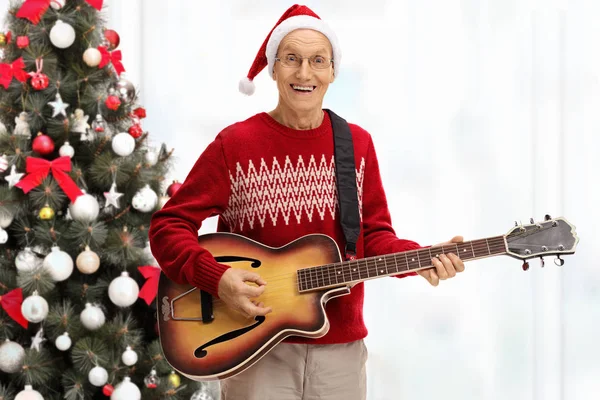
542,262
516,223
531,221
525,265
547,217
559,261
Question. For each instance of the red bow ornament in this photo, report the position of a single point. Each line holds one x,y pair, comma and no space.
113,57
15,69
38,170
11,303
150,288
33,10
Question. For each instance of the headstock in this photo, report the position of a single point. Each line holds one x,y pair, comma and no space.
553,236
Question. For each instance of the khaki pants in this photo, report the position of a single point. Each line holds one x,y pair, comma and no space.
303,372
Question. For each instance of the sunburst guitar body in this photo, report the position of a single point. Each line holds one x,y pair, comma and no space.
203,339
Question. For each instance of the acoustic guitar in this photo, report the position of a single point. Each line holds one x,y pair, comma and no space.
203,339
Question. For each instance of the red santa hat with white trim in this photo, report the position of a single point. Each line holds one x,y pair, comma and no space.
296,17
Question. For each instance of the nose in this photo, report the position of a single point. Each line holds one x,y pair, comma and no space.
304,71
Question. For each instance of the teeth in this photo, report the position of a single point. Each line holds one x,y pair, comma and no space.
306,88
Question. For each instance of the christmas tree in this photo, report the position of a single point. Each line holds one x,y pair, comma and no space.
81,181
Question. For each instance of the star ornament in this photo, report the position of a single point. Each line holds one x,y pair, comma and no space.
112,196
58,106
14,177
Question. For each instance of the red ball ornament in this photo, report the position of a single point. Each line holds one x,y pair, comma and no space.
136,131
22,42
39,81
43,144
108,389
113,102
173,188
140,112
112,38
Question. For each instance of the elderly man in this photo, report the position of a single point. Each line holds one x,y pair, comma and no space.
258,177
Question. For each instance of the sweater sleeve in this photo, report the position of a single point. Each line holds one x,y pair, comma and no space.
379,235
173,232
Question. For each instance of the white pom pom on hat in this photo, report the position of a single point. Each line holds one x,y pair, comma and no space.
296,17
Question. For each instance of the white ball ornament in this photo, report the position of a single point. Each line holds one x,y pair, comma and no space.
34,308
126,390
129,357
6,219
63,342
3,236
98,376
151,157
66,150
29,394
123,291
62,35
123,144
26,260
59,264
85,208
92,57
145,200
12,356
92,317
57,4
87,261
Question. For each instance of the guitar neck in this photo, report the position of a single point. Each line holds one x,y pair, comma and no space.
351,272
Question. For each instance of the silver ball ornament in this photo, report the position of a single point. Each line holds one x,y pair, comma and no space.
63,342
85,208
62,35
98,376
34,308
123,144
92,317
123,291
12,355
59,264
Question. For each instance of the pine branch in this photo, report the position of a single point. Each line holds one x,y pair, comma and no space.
39,368
124,332
123,247
89,352
87,292
48,193
75,385
81,234
38,279
6,392
63,317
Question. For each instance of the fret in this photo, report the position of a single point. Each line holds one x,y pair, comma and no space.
387,272
488,246
479,252
313,273
357,267
396,264
329,274
352,271
414,261
299,276
338,273
472,250
322,276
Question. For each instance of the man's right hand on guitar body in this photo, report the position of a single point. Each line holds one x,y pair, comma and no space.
236,293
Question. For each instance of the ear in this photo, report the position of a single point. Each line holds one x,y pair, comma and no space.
332,77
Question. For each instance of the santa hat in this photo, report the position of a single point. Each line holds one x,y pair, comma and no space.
296,17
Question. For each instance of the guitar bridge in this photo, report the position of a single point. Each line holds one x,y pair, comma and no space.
185,307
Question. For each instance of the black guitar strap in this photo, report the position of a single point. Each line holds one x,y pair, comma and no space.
345,171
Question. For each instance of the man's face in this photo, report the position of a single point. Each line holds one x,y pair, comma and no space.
292,82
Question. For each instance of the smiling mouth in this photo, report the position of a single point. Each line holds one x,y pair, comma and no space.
303,88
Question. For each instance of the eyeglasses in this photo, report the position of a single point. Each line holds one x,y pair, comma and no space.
294,61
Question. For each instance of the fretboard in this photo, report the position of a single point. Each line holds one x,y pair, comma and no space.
349,272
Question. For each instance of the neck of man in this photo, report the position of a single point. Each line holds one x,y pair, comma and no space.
299,120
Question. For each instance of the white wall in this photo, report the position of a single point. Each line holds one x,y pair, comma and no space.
483,112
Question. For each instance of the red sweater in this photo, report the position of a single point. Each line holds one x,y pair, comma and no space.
274,184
